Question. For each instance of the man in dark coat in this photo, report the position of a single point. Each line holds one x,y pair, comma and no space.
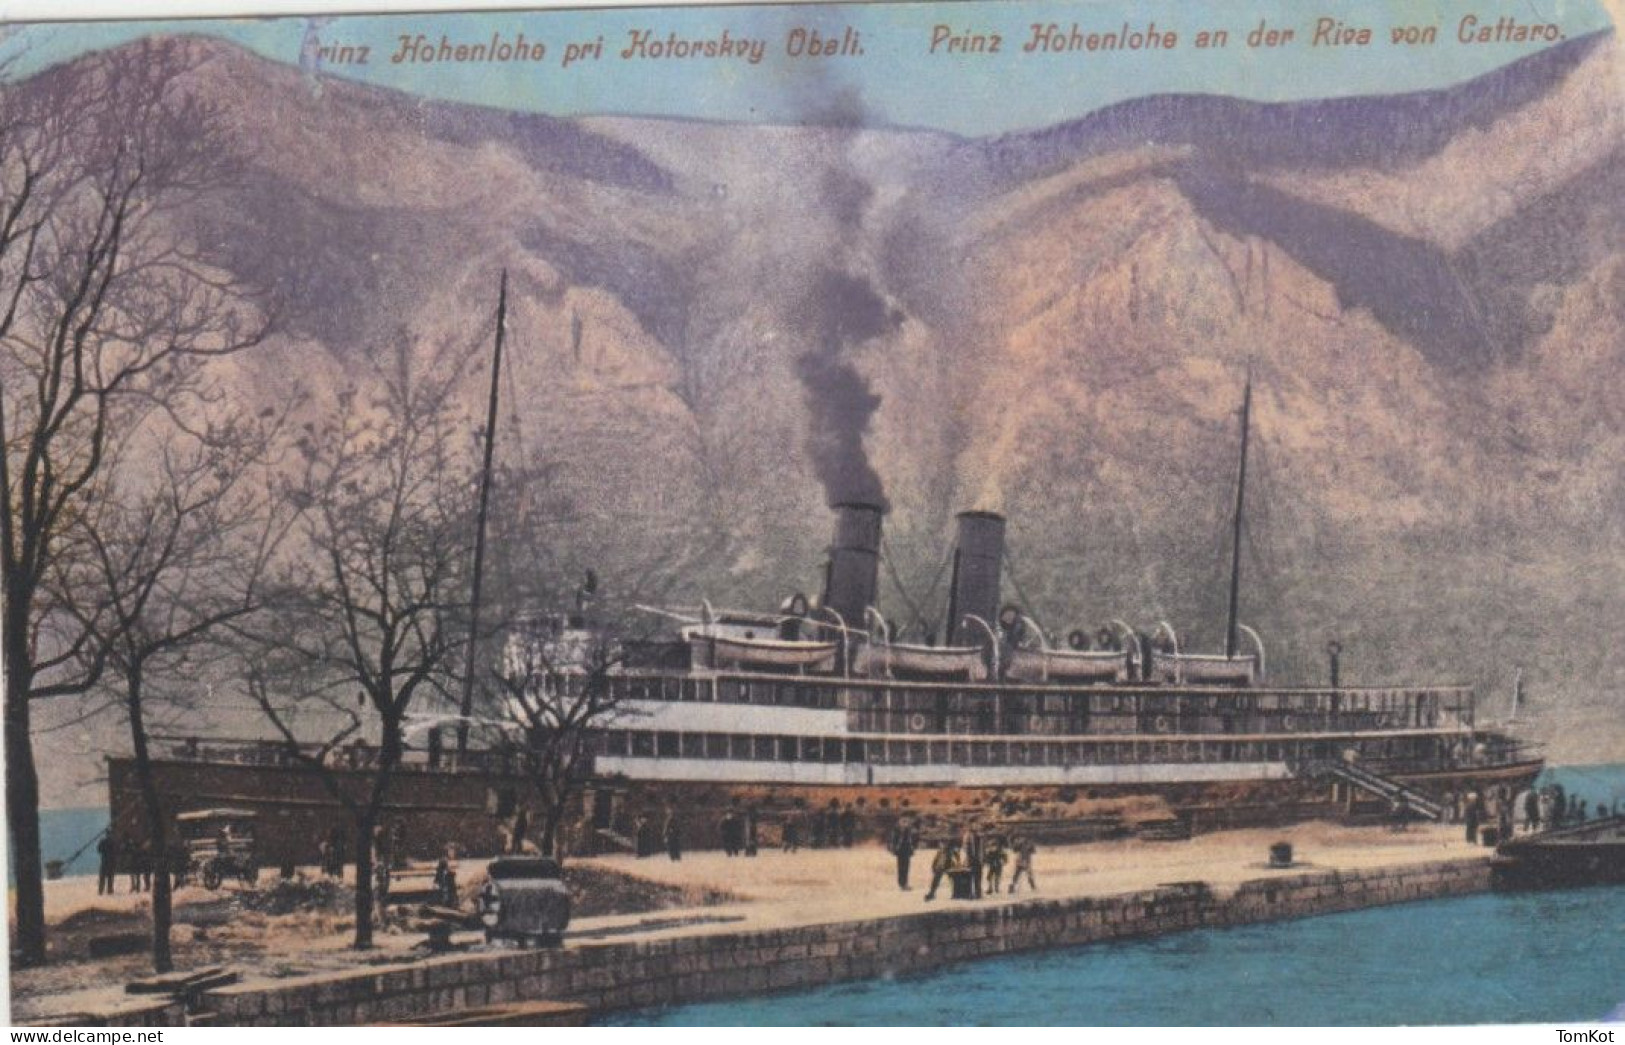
674,837
849,825
521,828
750,830
136,861
902,845
731,832
107,849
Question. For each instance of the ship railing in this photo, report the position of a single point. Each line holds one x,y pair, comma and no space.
277,754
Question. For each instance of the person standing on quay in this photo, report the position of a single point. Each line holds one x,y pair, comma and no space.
970,847
107,849
729,830
947,856
674,837
750,830
133,861
995,865
521,827
1024,864
903,843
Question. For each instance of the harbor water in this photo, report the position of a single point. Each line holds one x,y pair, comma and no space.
1494,958
69,835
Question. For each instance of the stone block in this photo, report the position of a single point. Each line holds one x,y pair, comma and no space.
393,982
445,974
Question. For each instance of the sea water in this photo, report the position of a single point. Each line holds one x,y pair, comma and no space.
66,832
1493,958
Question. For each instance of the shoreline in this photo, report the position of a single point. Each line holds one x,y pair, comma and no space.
800,923
688,969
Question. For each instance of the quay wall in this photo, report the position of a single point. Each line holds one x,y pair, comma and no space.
681,970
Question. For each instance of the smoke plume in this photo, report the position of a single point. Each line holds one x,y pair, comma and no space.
842,312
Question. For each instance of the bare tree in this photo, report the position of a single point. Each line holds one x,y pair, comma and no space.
171,559
374,612
107,303
553,699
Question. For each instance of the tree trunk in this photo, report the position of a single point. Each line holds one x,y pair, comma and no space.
389,756
158,836
555,793
22,790
22,818
363,882
555,803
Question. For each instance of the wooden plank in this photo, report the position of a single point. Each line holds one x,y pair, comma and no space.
171,983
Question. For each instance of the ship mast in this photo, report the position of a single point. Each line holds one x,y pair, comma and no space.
467,707
1235,532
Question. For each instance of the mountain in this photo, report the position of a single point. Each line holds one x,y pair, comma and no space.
717,329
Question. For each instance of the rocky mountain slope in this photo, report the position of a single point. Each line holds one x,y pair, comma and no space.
717,329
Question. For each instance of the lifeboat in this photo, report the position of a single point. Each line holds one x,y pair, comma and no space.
891,660
1085,666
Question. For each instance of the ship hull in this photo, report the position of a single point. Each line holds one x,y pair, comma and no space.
1586,854
474,810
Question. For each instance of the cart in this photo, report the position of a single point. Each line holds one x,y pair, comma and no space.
525,900
219,845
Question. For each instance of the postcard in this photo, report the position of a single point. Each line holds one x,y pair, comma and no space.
890,513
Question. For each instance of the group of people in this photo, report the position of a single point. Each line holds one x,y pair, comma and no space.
739,832
1554,808
1545,808
137,861
833,827
334,852
648,841
836,826
981,858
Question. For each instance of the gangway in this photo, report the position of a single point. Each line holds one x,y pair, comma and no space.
1381,786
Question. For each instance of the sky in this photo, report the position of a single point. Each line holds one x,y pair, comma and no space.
899,80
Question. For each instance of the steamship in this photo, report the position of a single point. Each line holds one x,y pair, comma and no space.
819,695
822,695
820,702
